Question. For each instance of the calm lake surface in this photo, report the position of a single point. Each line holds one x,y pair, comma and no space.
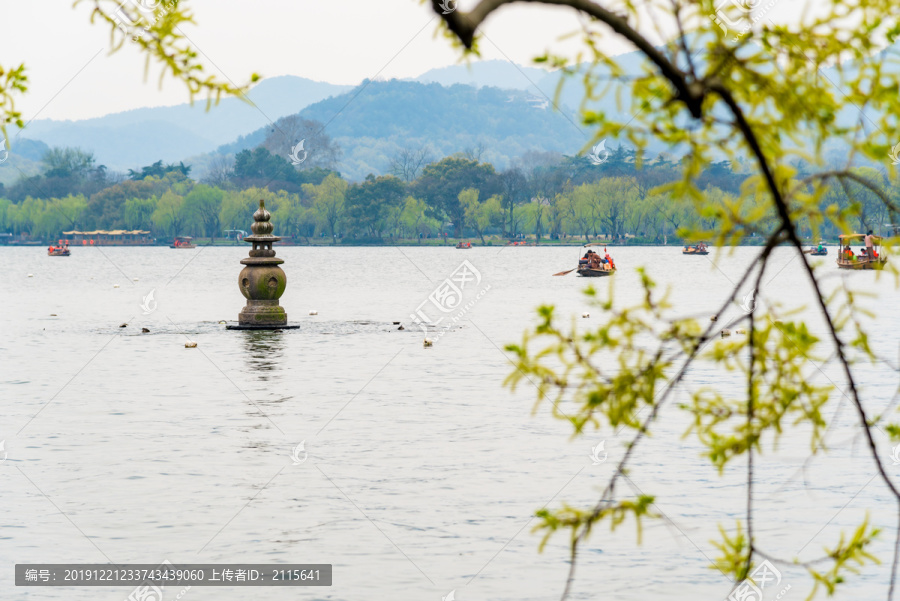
421,471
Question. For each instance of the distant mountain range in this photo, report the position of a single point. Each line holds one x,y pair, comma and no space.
369,129
493,73
374,121
509,109
142,136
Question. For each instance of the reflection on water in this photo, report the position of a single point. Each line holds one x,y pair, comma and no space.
265,352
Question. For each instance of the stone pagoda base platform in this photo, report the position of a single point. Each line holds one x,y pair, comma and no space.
261,327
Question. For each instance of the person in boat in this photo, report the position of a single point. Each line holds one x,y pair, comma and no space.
609,261
870,248
586,259
820,248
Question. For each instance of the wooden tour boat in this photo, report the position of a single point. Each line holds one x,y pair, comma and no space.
592,265
463,245
183,242
60,250
696,249
847,260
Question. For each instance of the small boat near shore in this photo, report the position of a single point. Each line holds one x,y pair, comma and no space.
463,245
60,250
847,260
183,242
696,249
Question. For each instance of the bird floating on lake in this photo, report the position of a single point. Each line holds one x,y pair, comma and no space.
31,275
313,312
585,315
428,342
190,345
145,331
124,325
726,333
115,285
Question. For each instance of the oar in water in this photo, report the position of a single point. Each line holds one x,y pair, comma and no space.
565,272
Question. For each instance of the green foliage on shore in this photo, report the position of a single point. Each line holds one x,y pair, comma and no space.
545,197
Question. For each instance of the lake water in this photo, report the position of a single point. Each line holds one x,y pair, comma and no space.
421,472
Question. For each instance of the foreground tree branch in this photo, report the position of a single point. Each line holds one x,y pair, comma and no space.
763,109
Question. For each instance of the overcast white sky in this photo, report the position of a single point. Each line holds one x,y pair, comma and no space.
72,75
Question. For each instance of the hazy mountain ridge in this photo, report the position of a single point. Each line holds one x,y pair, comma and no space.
131,139
509,109
142,136
385,116
492,73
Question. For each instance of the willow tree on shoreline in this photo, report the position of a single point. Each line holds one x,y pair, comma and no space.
729,83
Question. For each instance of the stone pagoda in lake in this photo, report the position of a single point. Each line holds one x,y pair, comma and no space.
262,281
